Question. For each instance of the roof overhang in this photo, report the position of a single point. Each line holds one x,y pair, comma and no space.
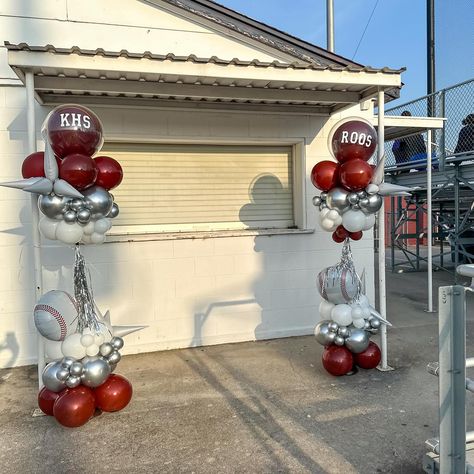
398,126
146,79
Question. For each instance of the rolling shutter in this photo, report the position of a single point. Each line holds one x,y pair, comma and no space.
200,187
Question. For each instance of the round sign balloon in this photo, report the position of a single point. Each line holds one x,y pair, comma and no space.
73,129
353,139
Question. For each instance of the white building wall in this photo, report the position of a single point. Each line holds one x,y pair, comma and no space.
188,292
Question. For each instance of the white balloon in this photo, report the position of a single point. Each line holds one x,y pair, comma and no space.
366,312
363,301
92,350
329,225
372,188
341,314
88,229
52,349
359,323
97,238
72,347
357,312
86,239
87,340
353,220
69,233
101,226
325,308
333,215
48,227
323,213
99,339
369,221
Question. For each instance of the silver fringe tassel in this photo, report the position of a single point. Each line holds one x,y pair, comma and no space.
86,308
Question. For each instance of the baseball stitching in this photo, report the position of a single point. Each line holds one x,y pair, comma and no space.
56,315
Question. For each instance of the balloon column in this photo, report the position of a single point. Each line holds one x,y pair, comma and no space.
352,194
80,380
73,187
352,189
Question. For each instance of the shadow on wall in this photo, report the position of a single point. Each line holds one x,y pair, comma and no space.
251,215
10,346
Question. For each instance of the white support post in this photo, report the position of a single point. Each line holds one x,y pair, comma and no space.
30,99
429,223
381,234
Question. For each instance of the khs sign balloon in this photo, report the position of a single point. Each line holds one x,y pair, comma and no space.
354,139
74,129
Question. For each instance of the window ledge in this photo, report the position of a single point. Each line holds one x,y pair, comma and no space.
143,236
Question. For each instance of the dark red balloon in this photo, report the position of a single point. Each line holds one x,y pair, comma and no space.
109,172
114,394
46,399
356,235
74,129
33,165
337,239
325,175
75,406
355,175
78,170
354,140
370,358
342,232
337,360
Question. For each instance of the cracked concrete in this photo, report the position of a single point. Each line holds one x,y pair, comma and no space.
261,407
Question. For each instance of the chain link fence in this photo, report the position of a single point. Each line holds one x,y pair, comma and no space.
453,143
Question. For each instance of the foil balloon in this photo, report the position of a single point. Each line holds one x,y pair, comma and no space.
337,198
371,204
99,201
50,378
96,371
358,340
53,206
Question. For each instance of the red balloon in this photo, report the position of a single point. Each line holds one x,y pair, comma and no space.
114,394
370,358
325,175
341,232
74,129
78,170
337,239
355,175
356,235
75,406
46,399
354,140
33,165
109,173
338,360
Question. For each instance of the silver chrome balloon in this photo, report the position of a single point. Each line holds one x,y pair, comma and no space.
83,216
50,377
323,195
114,212
361,194
358,341
367,326
374,323
73,381
117,343
353,198
373,204
323,205
69,216
339,341
96,371
106,349
343,331
76,204
337,199
62,374
66,362
53,206
98,201
112,367
76,369
114,358
333,327
316,201
323,335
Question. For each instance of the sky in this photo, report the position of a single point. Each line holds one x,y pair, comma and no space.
395,36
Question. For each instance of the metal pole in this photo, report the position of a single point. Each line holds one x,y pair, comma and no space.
429,223
430,48
30,111
381,234
330,25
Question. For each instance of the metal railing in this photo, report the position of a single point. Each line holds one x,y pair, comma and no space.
447,454
454,103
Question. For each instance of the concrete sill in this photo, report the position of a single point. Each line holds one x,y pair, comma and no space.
142,237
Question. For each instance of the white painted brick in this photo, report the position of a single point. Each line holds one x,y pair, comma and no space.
193,247
249,264
219,265
234,246
173,267
195,286
151,250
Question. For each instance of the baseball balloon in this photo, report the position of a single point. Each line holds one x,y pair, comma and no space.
370,358
325,175
73,129
114,394
337,360
78,170
355,175
55,315
74,407
337,286
110,173
353,139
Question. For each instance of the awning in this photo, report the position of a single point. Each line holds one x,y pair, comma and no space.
146,79
403,126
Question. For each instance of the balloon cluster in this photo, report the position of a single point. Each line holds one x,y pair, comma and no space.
352,189
74,201
348,319
80,380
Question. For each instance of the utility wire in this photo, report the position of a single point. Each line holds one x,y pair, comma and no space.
365,29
